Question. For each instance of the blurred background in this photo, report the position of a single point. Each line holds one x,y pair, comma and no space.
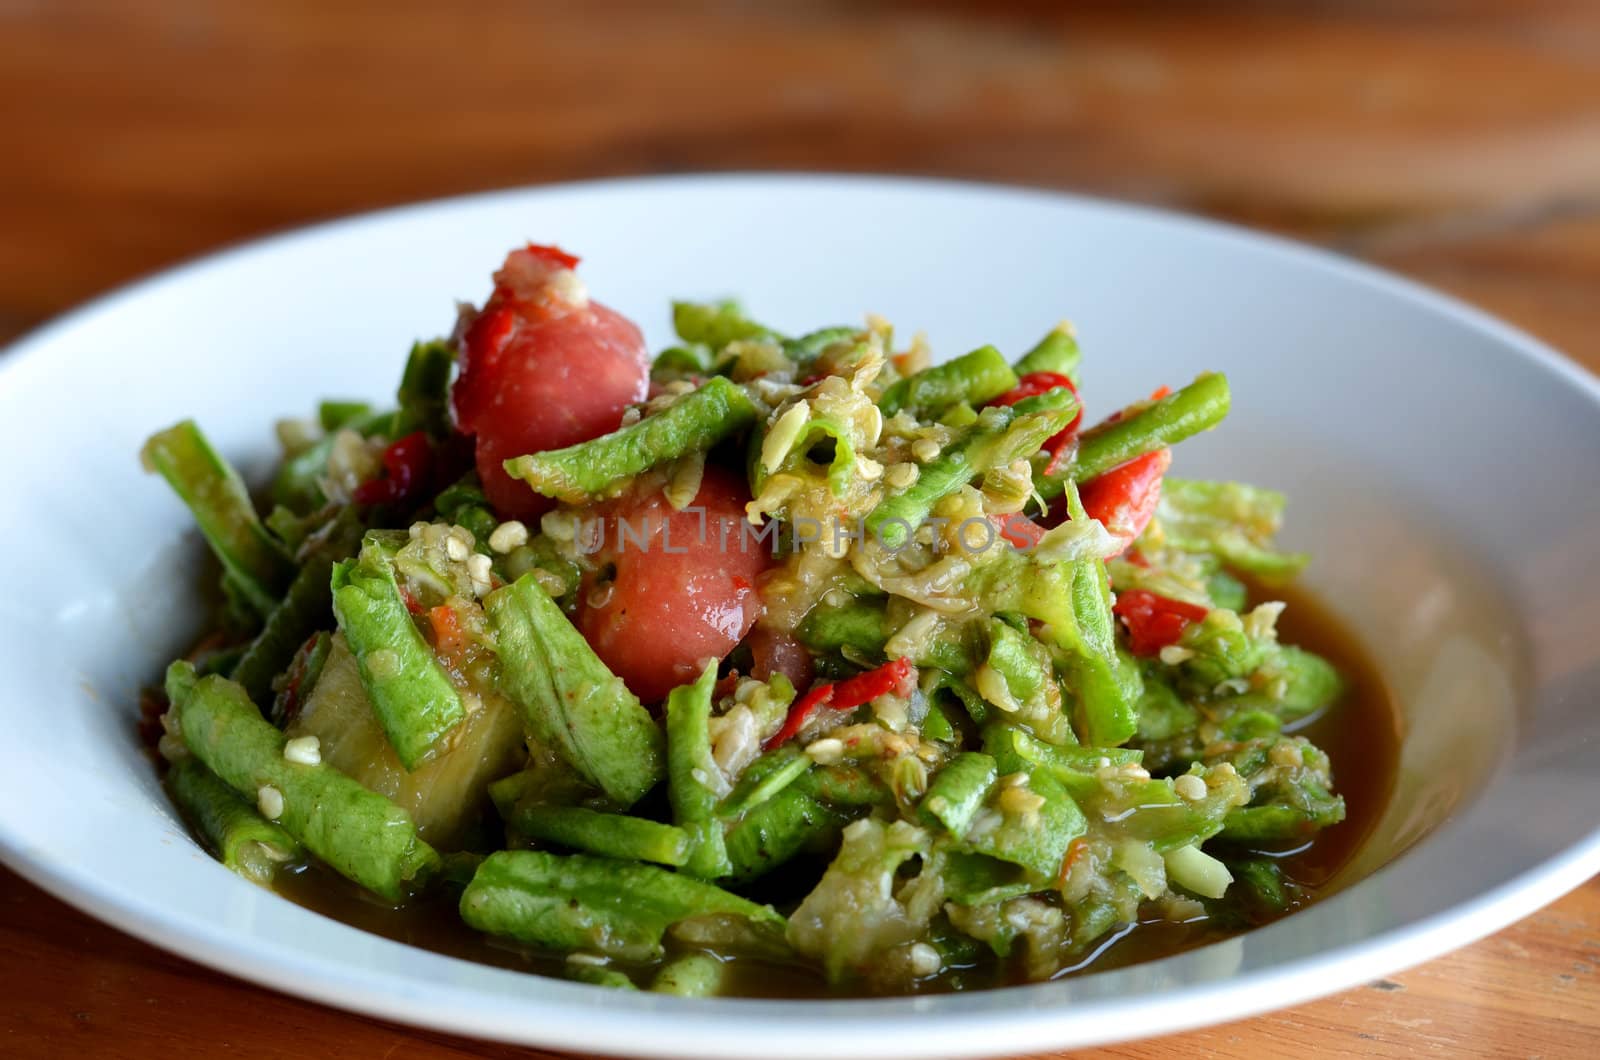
1458,142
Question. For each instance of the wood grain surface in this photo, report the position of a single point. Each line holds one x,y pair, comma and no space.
1456,142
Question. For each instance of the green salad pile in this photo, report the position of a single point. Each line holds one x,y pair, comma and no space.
816,654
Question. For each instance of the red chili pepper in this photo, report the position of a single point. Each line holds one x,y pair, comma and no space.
407,464
1125,498
1018,530
553,255
864,688
1075,850
411,601
447,634
800,713
1154,621
1032,385
848,694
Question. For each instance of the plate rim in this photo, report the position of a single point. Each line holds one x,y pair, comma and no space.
946,1030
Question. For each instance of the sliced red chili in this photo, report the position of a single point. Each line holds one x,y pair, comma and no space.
554,255
864,688
406,464
800,713
1018,530
1154,621
448,636
897,676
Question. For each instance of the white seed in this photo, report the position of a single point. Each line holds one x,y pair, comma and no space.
269,800
507,536
827,752
480,567
1018,801
925,449
594,960
1173,654
869,469
306,750
456,548
1190,787
925,960
902,475
560,525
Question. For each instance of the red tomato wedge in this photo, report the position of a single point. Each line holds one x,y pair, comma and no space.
542,367
681,591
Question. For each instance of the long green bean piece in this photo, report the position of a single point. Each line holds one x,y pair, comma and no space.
1182,414
973,378
303,610
579,903
611,835
693,423
1057,352
689,769
255,563
999,436
235,832
424,396
413,697
361,834
567,697
957,791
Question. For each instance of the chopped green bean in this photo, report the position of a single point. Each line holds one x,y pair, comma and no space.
957,791
973,378
693,423
715,324
424,396
568,699
1057,352
611,835
778,830
362,835
303,610
999,436
1197,407
232,829
571,903
412,695
256,564
764,778
689,770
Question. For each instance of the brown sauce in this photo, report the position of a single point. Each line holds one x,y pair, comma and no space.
1360,734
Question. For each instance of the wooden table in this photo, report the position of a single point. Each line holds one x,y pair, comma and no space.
1456,142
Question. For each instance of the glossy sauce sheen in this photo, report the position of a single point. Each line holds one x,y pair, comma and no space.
1360,734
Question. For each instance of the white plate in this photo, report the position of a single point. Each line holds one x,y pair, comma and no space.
1444,469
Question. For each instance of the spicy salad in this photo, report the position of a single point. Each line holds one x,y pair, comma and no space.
773,649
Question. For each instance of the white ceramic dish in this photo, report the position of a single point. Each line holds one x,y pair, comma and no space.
1444,469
